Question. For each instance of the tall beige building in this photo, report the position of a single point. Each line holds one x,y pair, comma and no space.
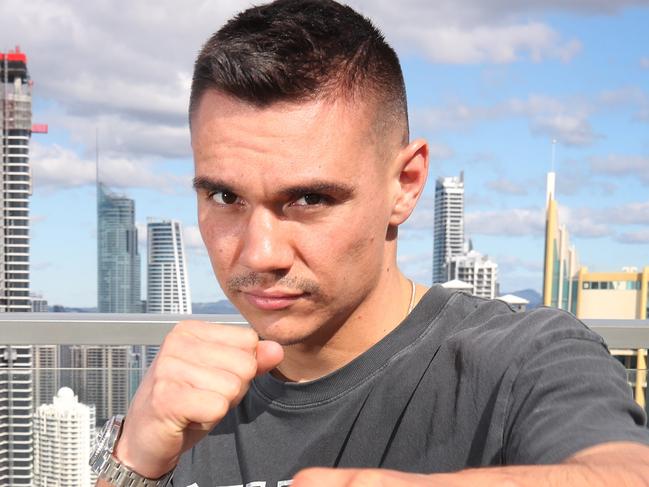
589,295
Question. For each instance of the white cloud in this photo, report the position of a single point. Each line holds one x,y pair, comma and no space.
192,238
644,63
570,130
489,43
509,222
56,167
637,237
565,120
439,151
622,165
505,186
584,222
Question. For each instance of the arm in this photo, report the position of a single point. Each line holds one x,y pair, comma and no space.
202,371
620,464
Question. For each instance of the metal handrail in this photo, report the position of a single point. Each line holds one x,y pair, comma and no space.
150,329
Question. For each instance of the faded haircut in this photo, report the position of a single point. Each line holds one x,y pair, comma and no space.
302,50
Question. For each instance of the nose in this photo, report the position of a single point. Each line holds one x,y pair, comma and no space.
266,244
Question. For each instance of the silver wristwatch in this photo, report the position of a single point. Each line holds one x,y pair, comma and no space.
108,468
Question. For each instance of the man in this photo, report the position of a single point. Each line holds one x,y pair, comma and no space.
304,172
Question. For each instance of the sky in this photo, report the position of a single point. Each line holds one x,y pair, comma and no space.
491,84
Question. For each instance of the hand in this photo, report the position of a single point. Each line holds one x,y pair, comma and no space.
201,371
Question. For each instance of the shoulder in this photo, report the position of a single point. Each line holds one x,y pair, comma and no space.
490,330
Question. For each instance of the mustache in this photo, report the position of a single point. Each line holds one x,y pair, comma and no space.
259,279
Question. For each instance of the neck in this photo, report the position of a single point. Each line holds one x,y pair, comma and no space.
379,313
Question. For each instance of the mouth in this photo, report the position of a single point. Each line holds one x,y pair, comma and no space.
270,300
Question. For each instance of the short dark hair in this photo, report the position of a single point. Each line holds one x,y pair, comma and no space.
300,50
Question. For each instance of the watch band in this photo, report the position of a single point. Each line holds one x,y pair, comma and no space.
108,468
118,475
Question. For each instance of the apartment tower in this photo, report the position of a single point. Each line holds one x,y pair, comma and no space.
448,239
63,437
16,395
167,281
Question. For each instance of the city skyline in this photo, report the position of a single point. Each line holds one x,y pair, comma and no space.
490,86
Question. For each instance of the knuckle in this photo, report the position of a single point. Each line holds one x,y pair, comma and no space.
247,367
231,386
249,336
220,407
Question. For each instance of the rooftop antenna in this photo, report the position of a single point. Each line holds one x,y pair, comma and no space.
554,152
97,163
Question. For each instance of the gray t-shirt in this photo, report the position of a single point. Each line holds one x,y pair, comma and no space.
462,382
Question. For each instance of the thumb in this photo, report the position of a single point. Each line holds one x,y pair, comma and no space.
269,356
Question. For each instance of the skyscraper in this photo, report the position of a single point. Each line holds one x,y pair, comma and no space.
118,257
63,437
571,286
16,396
167,282
102,376
448,239
16,122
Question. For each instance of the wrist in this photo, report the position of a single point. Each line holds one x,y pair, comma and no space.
136,459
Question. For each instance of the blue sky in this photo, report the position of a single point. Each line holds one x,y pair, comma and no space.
490,83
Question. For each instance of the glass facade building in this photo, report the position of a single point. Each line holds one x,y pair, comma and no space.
118,257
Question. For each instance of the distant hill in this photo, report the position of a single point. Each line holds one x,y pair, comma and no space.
223,307
531,295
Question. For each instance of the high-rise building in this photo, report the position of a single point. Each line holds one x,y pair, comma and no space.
102,376
167,282
47,373
477,270
16,400
16,123
118,257
448,239
589,295
63,438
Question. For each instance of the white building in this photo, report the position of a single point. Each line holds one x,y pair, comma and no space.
448,239
167,281
64,433
515,302
477,270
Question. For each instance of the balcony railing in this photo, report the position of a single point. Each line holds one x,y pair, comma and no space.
627,339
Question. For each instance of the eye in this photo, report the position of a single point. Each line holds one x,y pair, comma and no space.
311,199
224,197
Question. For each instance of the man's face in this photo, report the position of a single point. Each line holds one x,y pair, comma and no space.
294,202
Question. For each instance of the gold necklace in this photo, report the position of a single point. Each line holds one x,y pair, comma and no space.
412,296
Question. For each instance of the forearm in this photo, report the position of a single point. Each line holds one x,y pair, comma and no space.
619,464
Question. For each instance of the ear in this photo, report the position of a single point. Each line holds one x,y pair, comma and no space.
410,171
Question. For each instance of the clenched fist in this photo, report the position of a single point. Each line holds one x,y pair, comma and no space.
202,371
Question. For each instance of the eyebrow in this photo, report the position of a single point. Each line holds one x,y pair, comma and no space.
340,190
